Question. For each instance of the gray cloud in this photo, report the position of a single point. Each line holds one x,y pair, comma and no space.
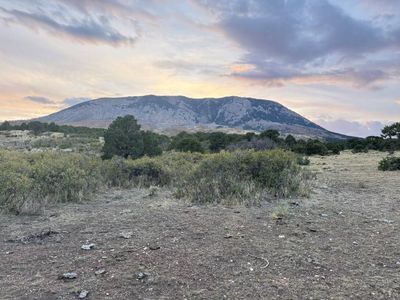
84,29
39,99
305,39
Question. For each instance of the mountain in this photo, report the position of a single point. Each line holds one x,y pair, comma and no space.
171,114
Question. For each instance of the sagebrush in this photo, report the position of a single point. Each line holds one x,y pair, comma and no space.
28,181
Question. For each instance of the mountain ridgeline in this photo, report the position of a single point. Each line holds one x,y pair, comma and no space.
171,114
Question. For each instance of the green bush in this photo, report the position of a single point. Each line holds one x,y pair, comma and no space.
303,160
359,148
242,177
28,181
389,164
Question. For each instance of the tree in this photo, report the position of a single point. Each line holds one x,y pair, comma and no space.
218,141
5,126
36,127
290,141
123,138
151,143
271,134
188,144
315,147
390,131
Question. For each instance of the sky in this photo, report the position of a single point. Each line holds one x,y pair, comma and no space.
336,62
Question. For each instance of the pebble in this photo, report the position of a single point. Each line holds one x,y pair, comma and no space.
87,246
126,235
142,275
83,294
100,272
324,215
154,247
69,275
281,236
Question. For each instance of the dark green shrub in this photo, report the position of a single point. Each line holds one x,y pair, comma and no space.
189,144
303,160
359,148
389,164
315,147
242,177
271,134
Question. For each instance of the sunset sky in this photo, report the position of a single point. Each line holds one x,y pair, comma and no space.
335,62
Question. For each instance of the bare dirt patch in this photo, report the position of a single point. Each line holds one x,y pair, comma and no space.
342,242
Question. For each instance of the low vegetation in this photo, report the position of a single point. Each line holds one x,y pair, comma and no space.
389,164
29,181
199,167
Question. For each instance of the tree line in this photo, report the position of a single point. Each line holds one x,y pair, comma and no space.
125,138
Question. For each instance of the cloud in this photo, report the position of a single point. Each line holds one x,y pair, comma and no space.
353,128
277,75
39,99
83,29
305,41
74,100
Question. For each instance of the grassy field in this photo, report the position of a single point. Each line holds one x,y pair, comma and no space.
339,243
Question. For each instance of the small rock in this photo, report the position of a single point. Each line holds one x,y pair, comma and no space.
126,235
68,275
281,236
83,294
154,247
87,246
9,252
142,275
228,236
100,272
324,215
236,211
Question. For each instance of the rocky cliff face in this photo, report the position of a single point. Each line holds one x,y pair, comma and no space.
174,113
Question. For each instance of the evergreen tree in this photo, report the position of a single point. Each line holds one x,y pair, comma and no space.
123,138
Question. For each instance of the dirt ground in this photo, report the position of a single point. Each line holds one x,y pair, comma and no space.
341,243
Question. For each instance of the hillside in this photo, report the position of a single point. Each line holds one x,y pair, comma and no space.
171,114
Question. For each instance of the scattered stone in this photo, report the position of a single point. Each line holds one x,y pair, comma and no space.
68,276
100,272
154,247
83,294
295,203
236,211
384,221
312,229
126,235
142,275
324,215
228,236
87,246
9,252
281,236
